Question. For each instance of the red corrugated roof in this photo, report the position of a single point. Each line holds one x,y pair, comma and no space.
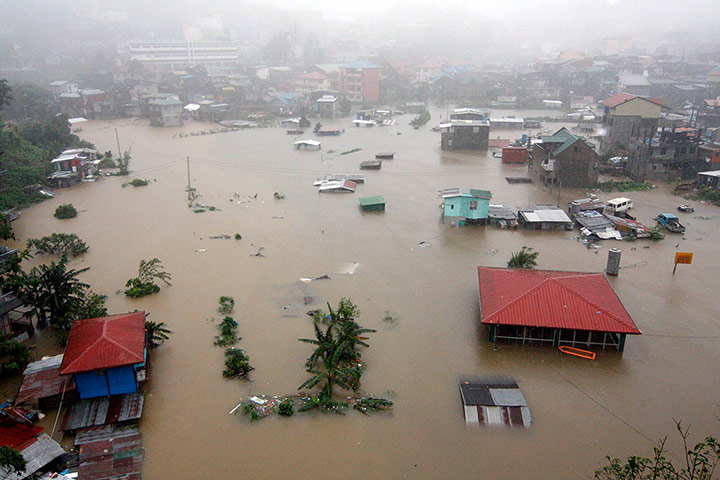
616,100
99,343
18,436
552,299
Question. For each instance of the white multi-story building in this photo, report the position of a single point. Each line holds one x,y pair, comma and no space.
176,55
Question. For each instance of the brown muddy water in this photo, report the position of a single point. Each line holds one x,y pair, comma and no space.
582,411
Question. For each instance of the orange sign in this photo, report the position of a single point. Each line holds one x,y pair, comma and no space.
683,257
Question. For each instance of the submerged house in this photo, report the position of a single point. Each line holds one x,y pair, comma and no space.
462,205
36,447
107,356
553,308
564,159
461,134
71,166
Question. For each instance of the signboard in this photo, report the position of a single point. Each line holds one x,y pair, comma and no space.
683,257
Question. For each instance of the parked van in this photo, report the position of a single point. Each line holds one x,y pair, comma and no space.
618,206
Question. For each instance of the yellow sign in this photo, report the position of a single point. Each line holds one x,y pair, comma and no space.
683,257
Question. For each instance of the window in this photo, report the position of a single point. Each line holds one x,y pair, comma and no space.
476,129
473,205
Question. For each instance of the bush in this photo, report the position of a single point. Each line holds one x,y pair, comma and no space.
136,288
237,364
66,211
525,258
286,408
59,243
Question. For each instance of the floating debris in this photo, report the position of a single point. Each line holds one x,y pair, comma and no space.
220,237
424,244
259,253
200,250
348,268
308,280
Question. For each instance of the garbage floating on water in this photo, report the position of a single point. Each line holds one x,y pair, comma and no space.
424,244
259,253
200,250
220,237
348,268
308,280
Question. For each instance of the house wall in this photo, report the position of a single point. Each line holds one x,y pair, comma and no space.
101,383
465,138
371,85
461,207
577,166
637,107
622,129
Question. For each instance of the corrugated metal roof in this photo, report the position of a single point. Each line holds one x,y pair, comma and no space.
99,343
41,452
552,299
18,435
539,216
101,411
42,379
111,452
494,400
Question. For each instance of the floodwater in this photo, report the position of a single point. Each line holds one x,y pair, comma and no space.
617,405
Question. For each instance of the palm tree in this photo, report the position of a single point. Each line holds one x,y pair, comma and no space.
336,360
156,333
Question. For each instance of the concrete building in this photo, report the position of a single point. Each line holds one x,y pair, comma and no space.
360,82
628,116
564,159
462,206
176,55
464,135
327,106
671,154
312,82
167,112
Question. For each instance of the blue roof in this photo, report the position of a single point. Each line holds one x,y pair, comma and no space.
361,65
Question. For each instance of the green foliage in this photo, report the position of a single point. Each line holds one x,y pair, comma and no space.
91,305
13,356
227,304
157,333
123,164
12,460
656,233
29,102
107,161
286,408
27,150
238,236
248,409
525,258
351,151
53,291
700,462
336,359
59,244
278,196
389,318
613,186
237,363
144,283
136,288
372,404
318,126
6,232
136,182
420,120
707,194
228,333
66,211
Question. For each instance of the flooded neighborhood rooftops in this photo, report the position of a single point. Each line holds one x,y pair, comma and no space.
103,410
493,400
42,379
41,451
110,451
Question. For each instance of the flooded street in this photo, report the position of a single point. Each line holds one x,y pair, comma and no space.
582,411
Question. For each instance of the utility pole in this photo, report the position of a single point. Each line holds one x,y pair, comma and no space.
118,143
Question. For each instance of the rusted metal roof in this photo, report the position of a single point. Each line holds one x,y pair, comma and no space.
42,379
498,143
552,299
99,343
493,400
101,411
110,452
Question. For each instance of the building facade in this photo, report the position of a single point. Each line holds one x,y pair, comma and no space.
360,82
565,160
626,117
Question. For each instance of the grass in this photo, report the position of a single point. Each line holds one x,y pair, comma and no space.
351,151
613,186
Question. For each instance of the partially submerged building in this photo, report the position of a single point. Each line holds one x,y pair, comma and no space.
71,166
465,205
627,116
165,112
107,356
544,217
36,447
495,400
459,134
564,159
553,308
670,154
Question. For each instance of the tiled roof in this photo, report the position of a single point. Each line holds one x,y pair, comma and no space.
99,343
552,299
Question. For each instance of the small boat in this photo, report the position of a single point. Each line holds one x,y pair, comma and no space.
385,155
577,352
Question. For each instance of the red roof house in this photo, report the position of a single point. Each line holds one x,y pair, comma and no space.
113,346
546,306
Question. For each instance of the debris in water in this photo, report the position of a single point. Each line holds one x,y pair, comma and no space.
259,253
424,244
348,268
308,280
493,251
278,195
220,237
201,250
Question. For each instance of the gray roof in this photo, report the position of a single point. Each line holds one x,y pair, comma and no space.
41,452
544,214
